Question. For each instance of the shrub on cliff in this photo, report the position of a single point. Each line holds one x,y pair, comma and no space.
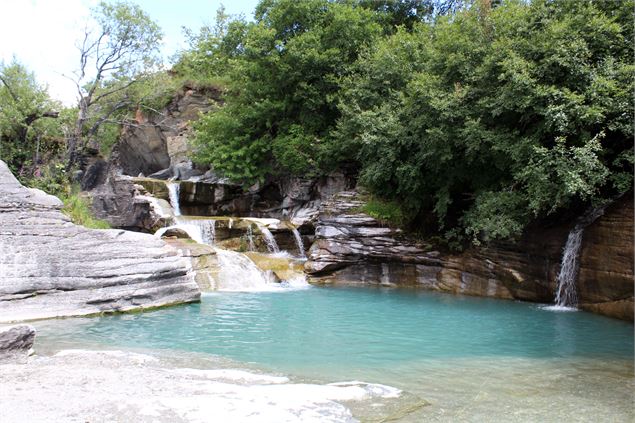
496,114
494,117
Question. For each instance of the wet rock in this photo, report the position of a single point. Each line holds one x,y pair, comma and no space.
52,268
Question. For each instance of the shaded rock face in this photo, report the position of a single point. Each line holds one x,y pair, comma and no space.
127,205
50,267
158,142
16,341
352,247
293,198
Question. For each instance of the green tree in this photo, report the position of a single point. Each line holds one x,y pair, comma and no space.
285,81
25,132
495,116
114,56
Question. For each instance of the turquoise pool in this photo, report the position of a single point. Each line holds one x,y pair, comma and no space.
469,358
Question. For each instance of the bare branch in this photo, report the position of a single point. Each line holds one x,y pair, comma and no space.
106,117
114,90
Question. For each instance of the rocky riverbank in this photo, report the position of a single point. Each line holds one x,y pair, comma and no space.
53,268
127,386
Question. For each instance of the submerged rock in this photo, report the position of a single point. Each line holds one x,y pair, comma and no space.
50,267
134,387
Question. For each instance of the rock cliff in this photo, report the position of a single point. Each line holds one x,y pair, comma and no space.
50,267
352,247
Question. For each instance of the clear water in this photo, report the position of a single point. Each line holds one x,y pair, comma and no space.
471,358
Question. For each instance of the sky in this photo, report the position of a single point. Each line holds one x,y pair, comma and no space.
42,34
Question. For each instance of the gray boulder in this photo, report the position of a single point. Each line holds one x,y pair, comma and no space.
16,340
50,267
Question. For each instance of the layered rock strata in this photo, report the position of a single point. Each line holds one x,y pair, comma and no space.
50,267
352,247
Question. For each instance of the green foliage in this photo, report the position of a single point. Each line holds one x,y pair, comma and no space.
29,131
495,117
127,41
119,53
475,117
77,207
282,100
388,212
207,61
54,180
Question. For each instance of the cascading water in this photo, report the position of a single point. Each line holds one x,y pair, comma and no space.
202,231
298,242
207,228
173,191
566,292
272,245
250,239
238,273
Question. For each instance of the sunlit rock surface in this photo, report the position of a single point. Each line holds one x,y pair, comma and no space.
141,388
50,267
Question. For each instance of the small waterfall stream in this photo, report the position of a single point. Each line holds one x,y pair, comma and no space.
272,245
298,242
173,191
239,273
206,228
250,239
566,291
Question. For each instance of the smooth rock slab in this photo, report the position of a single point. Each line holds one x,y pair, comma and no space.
50,267
104,386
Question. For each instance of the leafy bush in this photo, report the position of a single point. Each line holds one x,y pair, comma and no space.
480,120
495,117
387,212
54,180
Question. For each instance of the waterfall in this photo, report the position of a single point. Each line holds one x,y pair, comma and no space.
272,245
208,230
566,292
566,295
202,231
298,241
173,190
238,273
250,239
